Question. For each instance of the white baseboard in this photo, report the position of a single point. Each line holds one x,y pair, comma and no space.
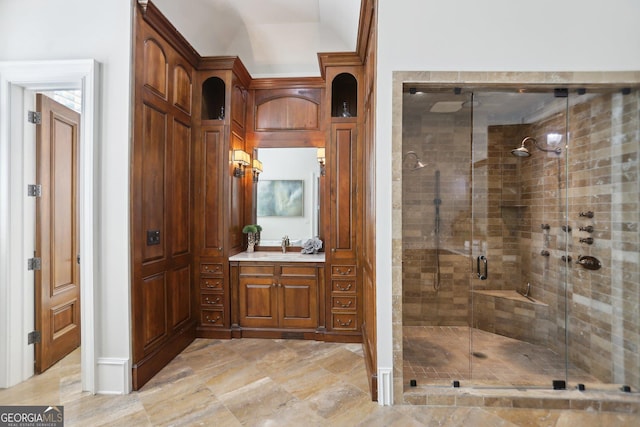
385,386
113,376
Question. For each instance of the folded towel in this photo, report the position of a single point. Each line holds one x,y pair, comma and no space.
311,246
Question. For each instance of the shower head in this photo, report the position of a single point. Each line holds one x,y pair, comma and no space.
523,152
417,164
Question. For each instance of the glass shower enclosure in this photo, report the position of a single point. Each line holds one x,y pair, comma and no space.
521,248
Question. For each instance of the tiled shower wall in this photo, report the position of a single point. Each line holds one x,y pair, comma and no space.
604,305
441,142
517,196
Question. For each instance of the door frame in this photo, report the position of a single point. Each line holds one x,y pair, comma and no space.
16,284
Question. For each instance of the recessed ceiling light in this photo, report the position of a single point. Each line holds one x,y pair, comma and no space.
446,107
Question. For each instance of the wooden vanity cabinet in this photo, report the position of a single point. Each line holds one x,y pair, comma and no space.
274,298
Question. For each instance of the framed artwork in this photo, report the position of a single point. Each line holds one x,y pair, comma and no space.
280,198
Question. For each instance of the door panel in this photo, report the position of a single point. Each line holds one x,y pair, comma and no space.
298,303
58,282
258,303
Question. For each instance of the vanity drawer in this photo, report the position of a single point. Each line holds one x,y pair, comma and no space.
212,283
343,270
211,299
343,286
257,270
344,302
298,270
345,321
211,268
213,317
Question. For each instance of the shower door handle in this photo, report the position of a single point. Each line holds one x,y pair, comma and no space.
486,267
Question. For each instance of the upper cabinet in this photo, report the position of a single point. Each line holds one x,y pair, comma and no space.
287,109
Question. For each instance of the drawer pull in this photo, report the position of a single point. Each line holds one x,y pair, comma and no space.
208,301
210,320
344,324
347,305
210,285
343,289
343,273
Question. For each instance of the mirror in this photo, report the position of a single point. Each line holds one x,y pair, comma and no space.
286,198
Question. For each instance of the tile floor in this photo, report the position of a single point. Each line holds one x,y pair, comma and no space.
262,382
441,354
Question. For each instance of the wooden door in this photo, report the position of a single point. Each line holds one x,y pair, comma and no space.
258,302
57,232
298,302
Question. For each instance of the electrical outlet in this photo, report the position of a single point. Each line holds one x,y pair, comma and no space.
153,237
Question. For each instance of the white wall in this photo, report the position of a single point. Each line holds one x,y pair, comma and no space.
100,30
490,35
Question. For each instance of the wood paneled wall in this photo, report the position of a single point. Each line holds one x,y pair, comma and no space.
367,49
162,298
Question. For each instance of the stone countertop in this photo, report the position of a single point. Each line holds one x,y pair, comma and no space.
272,256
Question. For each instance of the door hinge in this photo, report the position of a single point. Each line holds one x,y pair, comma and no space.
78,258
34,264
34,190
34,117
34,337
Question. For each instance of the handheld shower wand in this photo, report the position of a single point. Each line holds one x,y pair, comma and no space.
437,202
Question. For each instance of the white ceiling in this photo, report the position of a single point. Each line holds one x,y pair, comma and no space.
273,38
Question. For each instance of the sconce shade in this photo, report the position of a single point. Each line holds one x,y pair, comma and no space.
241,157
257,166
321,159
242,160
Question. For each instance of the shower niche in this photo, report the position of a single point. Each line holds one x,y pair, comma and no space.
489,296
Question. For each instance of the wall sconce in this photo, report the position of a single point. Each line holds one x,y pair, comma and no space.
242,160
257,169
321,160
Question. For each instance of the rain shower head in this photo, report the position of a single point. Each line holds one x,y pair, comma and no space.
523,152
417,164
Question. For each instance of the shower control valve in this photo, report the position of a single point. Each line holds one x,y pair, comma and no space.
587,240
566,228
545,226
544,252
588,228
589,262
566,258
587,214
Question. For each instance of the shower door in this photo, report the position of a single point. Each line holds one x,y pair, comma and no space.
518,243
521,258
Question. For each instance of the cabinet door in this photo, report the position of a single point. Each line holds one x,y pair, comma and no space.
343,195
258,302
298,302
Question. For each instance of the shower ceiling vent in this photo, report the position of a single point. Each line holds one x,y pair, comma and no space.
446,107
